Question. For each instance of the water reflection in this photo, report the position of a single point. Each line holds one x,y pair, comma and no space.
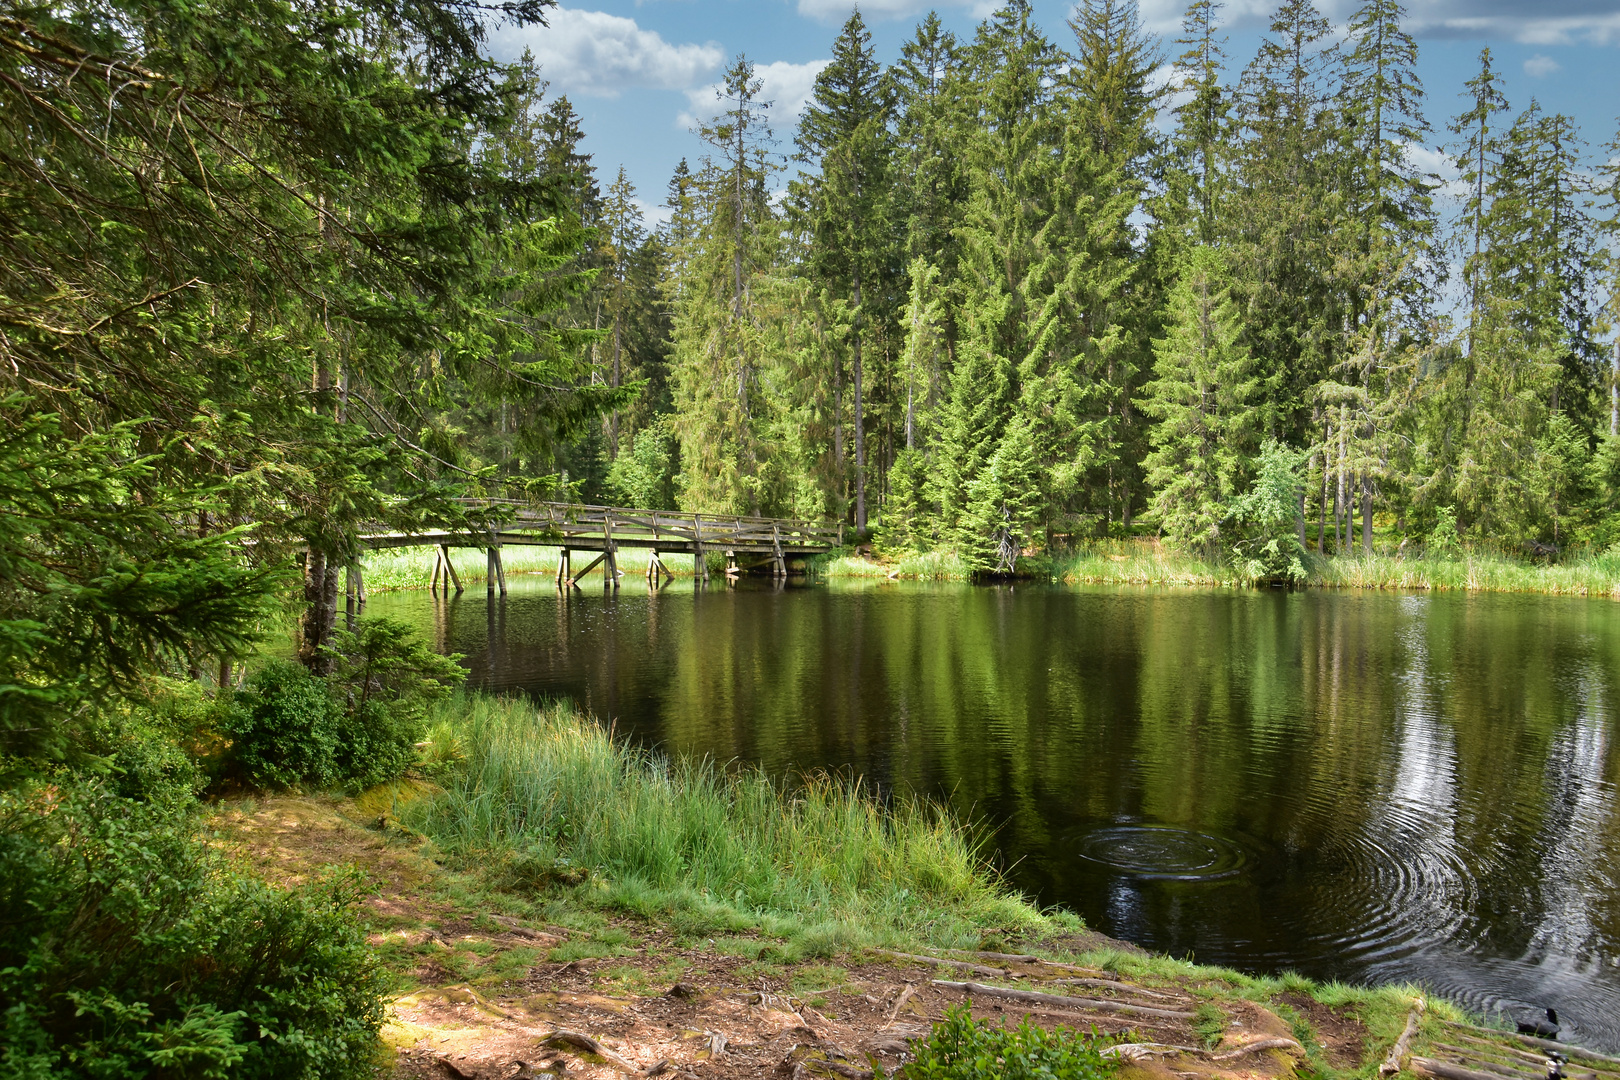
1380,786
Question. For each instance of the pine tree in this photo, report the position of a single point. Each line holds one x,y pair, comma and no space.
1204,404
844,132
1194,179
622,238
721,336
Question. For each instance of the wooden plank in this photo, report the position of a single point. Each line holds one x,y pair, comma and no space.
1038,998
1444,1070
591,566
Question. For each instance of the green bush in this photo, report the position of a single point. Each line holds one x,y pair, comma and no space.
284,731
359,727
963,1048
382,681
130,949
1269,517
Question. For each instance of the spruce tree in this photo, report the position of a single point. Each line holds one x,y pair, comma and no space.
720,336
845,134
1204,404
1198,147
622,238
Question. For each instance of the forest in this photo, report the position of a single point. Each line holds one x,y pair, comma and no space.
1016,292
274,274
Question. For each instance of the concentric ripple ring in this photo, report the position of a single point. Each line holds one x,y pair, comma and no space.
1163,852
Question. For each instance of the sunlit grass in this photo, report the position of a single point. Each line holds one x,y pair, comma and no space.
911,566
545,793
1140,562
412,568
1475,572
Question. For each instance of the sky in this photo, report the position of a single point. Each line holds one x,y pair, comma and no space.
641,72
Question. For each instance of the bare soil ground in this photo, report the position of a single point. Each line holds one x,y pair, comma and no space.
494,996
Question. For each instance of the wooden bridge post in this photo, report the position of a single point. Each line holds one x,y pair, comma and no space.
495,576
353,593
610,576
562,567
438,564
700,561
450,569
778,564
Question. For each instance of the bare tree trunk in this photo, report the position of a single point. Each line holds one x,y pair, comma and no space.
1366,514
320,611
860,434
1341,527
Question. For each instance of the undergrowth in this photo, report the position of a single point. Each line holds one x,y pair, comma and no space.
543,797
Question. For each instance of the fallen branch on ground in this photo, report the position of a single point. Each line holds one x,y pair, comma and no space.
1089,1004
1392,1062
577,1040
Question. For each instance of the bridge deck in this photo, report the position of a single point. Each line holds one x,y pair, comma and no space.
605,530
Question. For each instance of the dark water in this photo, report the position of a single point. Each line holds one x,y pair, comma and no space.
1361,786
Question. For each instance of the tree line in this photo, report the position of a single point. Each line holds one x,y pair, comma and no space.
1021,292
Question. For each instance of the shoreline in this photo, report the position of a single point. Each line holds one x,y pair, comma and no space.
494,943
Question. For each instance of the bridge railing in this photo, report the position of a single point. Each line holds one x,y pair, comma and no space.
718,530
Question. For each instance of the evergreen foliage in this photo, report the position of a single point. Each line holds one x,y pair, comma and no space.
1204,402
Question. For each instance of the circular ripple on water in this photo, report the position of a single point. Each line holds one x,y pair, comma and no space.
1163,852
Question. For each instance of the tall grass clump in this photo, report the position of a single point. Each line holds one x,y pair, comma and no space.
1140,562
910,565
544,794
1475,571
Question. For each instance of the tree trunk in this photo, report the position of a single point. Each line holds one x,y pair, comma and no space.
860,433
1366,514
320,611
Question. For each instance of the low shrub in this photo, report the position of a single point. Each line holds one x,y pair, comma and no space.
358,728
962,1048
130,949
284,728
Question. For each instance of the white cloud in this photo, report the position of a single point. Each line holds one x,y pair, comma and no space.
836,11
1547,22
1431,162
592,52
786,86
1539,67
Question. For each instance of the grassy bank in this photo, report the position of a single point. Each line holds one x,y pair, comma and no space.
543,794
412,568
911,566
1147,562
1597,575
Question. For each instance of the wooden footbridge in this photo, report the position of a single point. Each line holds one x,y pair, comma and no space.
749,544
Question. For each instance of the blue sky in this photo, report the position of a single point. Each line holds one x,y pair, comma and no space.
640,71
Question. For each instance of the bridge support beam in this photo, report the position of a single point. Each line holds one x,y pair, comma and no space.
495,577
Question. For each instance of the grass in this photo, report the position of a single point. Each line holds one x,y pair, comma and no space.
1140,562
395,569
545,796
912,566
1148,562
1593,575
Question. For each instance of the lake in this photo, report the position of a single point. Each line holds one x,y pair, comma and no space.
1355,785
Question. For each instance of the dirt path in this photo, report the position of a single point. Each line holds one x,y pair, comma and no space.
490,994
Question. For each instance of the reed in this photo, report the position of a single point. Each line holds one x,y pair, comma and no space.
1140,562
912,566
1596,575
544,793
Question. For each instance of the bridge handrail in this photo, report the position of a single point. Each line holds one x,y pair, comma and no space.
715,530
